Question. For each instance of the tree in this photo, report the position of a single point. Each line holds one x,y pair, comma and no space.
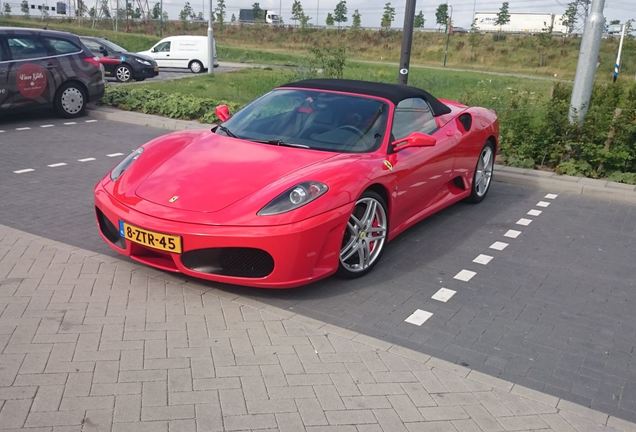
80,11
503,16
155,14
259,14
387,16
545,41
233,19
473,39
570,16
340,12
24,7
104,10
441,15
186,12
7,9
356,20
297,11
418,22
220,12
329,21
92,13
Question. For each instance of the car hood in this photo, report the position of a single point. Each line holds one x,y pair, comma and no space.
213,172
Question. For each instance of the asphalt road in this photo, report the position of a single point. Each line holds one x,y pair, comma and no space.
553,310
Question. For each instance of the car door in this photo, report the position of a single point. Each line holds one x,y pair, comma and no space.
422,173
30,73
162,54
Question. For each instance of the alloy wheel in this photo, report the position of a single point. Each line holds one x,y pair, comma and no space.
123,74
365,235
484,171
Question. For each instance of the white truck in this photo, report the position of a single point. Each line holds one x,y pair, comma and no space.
186,52
520,23
269,16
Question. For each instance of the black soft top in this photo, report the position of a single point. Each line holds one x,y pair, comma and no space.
393,92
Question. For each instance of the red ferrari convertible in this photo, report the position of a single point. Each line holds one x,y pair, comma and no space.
311,179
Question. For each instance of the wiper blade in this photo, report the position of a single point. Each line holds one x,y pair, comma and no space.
227,131
280,143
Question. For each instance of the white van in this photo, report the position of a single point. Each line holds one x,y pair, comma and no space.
189,52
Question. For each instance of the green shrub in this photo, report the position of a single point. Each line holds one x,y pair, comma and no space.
171,105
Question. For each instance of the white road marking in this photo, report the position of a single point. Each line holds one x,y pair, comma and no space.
115,154
465,275
70,123
524,221
90,121
512,234
22,171
46,126
534,212
22,128
543,204
418,317
55,165
482,259
498,245
551,196
443,295
86,159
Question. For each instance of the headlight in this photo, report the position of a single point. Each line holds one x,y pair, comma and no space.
143,62
293,198
128,160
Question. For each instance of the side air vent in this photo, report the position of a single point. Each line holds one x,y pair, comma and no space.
466,120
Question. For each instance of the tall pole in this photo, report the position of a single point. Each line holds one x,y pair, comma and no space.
449,26
617,65
160,18
210,43
407,41
588,59
117,16
317,9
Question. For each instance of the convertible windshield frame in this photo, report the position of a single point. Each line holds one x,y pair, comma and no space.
315,119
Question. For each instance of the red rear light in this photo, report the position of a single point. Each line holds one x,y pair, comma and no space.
93,60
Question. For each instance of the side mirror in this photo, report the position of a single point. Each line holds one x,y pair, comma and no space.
154,49
103,51
415,139
222,112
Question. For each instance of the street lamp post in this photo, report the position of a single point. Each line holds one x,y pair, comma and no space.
588,59
407,42
449,26
210,43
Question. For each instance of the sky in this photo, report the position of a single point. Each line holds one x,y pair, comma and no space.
371,10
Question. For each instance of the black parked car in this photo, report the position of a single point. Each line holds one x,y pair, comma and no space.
41,67
130,66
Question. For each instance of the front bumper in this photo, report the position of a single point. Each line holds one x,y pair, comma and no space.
302,252
142,72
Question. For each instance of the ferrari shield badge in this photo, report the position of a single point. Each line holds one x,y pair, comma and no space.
388,165
173,199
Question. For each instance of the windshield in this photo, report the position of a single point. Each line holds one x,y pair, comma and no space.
113,46
311,119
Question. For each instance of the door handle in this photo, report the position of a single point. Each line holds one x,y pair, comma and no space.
167,55
50,66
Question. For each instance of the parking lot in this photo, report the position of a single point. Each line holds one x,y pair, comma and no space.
166,74
532,286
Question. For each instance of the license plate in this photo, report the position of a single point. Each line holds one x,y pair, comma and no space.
155,240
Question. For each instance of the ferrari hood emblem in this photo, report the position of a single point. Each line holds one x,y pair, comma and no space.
389,165
173,199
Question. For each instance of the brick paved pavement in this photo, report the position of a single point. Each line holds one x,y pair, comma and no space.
93,343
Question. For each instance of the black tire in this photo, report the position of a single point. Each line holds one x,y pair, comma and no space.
140,79
345,268
70,100
477,195
123,73
195,66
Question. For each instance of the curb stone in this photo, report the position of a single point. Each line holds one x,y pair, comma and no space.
578,417
506,174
